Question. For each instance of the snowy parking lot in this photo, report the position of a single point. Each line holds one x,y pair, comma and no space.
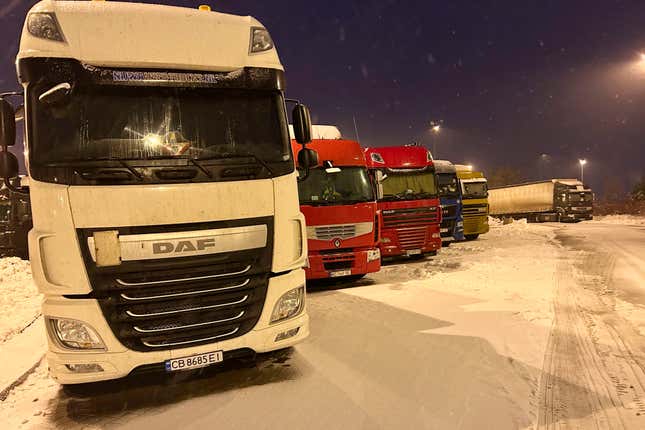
529,326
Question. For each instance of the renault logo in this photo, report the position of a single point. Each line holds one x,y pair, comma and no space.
337,243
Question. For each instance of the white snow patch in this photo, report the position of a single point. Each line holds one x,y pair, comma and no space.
621,219
19,297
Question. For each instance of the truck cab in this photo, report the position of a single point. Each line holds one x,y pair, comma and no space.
339,204
408,200
452,224
167,232
474,191
574,201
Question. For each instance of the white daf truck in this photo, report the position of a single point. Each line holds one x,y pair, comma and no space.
167,232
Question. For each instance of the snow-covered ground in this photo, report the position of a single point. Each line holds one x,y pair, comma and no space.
621,219
453,340
19,297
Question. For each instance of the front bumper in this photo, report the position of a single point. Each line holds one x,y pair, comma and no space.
476,225
323,266
452,230
117,361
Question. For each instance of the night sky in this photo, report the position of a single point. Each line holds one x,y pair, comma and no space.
511,80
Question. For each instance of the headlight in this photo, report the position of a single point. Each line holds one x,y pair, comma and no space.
260,40
44,25
74,334
385,240
460,224
373,254
289,305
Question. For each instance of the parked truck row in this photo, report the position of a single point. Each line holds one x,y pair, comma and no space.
176,215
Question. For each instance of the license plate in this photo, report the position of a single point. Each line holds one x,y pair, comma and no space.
413,252
337,273
444,230
194,361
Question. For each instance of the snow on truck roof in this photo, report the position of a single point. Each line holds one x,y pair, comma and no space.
444,166
136,35
330,132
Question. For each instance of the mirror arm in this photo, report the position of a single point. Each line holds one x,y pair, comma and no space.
305,176
18,190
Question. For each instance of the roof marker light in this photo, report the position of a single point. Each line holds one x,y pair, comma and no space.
377,158
205,8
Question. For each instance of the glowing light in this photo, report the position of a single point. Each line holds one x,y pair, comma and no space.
642,55
152,140
436,128
582,162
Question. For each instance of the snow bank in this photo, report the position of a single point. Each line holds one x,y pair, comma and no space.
19,297
621,219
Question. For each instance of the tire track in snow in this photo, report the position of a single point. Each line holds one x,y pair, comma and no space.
592,378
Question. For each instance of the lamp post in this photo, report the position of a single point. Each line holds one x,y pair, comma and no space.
582,162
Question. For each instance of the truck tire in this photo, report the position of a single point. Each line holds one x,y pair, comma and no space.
472,236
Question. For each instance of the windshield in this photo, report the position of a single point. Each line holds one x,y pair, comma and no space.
580,197
350,185
409,185
141,123
448,186
475,190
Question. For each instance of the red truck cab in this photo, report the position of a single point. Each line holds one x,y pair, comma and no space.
338,200
407,199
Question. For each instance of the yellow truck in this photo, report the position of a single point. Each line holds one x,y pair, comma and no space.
474,190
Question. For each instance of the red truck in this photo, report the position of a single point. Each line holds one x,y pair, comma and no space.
407,199
338,200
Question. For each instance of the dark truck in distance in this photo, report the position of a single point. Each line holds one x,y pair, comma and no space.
15,223
556,200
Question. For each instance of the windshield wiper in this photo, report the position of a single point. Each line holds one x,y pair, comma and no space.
239,155
201,167
131,169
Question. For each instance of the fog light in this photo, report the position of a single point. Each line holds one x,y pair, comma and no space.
289,305
84,368
436,235
287,334
373,254
385,240
74,334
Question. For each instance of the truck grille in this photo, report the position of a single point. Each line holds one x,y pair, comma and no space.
449,211
414,217
338,261
475,210
335,231
182,302
412,238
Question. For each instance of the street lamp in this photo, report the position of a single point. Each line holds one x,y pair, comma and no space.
435,127
582,162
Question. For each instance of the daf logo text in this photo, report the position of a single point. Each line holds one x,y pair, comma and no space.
182,246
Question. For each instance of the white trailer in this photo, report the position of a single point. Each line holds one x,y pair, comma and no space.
552,200
167,231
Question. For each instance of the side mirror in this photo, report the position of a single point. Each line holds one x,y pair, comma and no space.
301,120
307,158
8,165
7,124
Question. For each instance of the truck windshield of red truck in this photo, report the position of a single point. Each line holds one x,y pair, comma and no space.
406,185
344,185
